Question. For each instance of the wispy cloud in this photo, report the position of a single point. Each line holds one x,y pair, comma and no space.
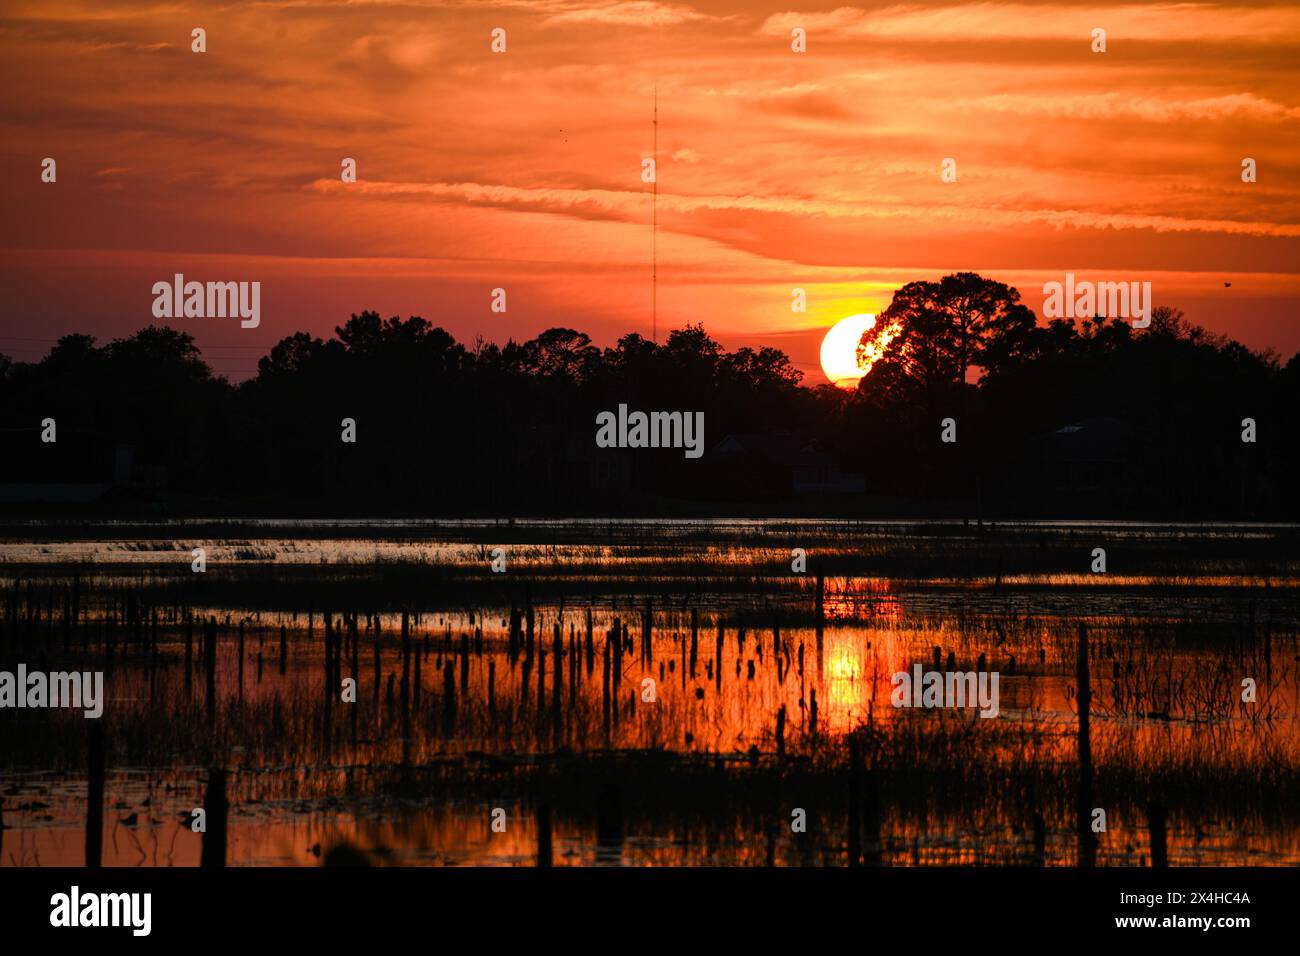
1157,109
1169,22
632,205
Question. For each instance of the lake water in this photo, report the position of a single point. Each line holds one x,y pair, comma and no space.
725,738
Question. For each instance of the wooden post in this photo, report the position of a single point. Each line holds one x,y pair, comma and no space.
604,693
528,622
872,848
609,816
95,796
406,686
717,656
448,699
189,655
544,835
647,631
591,645
464,666
327,712
210,666
557,683
1159,846
1083,810
379,677
855,803
284,647
1040,840
418,681
541,679
616,675
695,638
821,605
215,808
575,651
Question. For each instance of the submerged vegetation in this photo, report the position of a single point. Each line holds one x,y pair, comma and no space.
526,691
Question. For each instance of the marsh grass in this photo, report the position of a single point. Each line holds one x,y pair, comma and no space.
703,773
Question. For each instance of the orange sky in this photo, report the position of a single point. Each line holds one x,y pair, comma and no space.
523,170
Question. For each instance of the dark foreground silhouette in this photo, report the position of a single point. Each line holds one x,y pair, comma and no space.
1090,418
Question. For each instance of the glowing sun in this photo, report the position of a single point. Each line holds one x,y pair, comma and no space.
840,350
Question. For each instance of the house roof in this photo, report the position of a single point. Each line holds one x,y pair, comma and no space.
780,448
1093,439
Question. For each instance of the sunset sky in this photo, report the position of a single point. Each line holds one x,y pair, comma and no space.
522,170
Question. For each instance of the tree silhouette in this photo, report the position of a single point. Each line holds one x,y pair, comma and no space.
504,429
933,333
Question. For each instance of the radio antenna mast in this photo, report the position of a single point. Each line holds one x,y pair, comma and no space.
654,227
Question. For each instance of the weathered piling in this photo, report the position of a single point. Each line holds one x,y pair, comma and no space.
528,622
417,682
284,647
855,803
821,606
95,795
604,690
1083,807
541,680
609,816
210,666
406,646
647,631
215,809
356,652
591,645
448,699
574,672
189,655
695,638
544,834
1040,840
241,659
872,847
557,654
464,665
717,656
616,675
1159,844
327,713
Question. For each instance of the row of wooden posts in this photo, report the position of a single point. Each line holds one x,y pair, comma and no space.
863,805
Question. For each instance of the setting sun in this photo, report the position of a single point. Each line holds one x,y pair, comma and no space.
839,353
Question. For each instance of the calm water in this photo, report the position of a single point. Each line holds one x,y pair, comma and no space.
752,706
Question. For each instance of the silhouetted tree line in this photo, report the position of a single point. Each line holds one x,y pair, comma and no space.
1091,417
